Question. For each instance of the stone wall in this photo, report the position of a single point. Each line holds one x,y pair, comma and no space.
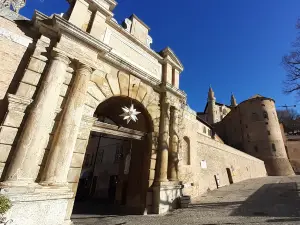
293,151
217,157
13,44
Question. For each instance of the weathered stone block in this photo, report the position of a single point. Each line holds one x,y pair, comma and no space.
7,135
113,81
134,83
89,111
77,160
26,90
100,80
92,102
124,83
80,146
68,78
84,133
74,175
152,174
141,92
31,77
4,152
95,91
36,65
73,187
13,119
64,90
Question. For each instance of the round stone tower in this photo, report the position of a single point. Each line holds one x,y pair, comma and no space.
262,136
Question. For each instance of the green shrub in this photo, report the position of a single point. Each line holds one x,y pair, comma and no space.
5,204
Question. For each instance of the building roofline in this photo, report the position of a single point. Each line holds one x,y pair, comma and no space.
138,19
217,103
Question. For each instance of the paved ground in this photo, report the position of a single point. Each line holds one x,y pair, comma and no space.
271,200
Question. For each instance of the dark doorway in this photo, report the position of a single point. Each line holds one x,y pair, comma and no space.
229,175
114,178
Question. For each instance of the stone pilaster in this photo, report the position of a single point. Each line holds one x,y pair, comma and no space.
24,164
163,144
174,143
59,160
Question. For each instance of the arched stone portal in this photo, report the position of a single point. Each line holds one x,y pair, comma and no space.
106,94
115,175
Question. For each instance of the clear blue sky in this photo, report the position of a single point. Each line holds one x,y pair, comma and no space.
234,46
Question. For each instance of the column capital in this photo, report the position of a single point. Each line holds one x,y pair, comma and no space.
82,68
61,57
18,103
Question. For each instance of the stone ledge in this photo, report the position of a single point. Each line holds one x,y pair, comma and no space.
39,194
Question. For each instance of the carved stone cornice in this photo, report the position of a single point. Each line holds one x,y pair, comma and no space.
18,103
61,25
118,131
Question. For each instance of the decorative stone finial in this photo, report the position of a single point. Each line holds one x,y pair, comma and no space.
233,101
15,4
211,94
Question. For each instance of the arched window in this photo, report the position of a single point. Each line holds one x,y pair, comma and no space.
186,151
266,115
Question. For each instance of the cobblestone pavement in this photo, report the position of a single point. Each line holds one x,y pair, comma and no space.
270,200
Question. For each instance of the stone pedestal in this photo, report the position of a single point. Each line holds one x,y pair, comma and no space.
37,206
166,197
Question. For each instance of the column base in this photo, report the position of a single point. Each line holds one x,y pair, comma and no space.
18,183
166,196
53,184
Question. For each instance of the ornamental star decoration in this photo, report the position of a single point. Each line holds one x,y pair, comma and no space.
130,113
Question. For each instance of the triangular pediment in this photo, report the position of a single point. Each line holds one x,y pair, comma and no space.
168,53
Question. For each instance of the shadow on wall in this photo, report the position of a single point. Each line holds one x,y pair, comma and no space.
271,200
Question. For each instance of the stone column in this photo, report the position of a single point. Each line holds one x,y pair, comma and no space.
24,165
174,143
161,172
59,160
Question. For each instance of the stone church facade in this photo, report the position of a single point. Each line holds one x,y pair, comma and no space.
63,77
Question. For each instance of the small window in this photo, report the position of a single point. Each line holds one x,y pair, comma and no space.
209,132
273,147
269,133
255,117
204,130
266,115
220,109
256,148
